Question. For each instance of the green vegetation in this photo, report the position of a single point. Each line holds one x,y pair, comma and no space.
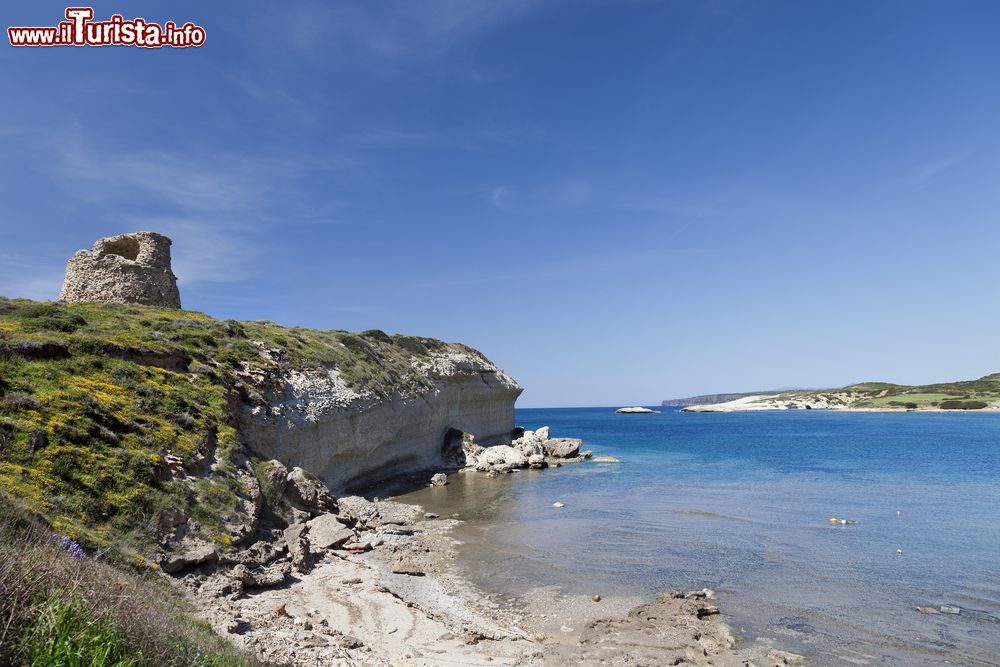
962,405
93,399
916,398
60,606
65,634
110,415
963,395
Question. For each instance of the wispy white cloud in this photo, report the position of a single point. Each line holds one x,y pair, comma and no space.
572,193
489,137
29,277
219,182
389,29
394,138
500,196
268,89
554,270
668,206
206,251
924,172
217,206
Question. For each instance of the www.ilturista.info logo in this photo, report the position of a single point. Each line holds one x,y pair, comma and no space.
81,30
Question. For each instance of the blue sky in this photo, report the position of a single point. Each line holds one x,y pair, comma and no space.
618,202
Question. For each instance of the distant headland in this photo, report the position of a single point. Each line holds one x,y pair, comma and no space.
712,399
968,395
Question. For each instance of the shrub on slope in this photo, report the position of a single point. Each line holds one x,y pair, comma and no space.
60,606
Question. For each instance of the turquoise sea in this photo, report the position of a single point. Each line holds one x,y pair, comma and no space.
741,503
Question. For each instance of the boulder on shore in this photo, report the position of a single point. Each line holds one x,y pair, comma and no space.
533,449
404,564
189,553
305,492
563,448
261,577
327,532
298,546
501,458
359,511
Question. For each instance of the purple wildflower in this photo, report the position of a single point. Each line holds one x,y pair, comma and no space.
70,546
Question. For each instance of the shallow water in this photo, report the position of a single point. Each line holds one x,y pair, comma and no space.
740,503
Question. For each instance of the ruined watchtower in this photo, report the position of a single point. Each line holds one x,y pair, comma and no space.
131,268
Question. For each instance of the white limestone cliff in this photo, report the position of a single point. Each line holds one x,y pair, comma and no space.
312,419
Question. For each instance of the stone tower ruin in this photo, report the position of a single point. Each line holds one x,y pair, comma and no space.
131,268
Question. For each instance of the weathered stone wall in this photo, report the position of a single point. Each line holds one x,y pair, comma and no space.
131,268
348,440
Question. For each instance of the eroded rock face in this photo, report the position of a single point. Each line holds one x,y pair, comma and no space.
130,268
313,420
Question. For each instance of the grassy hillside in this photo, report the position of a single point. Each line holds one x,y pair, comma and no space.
962,395
112,417
93,398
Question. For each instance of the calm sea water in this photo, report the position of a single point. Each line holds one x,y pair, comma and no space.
741,503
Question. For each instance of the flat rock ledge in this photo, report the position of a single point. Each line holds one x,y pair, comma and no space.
675,629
